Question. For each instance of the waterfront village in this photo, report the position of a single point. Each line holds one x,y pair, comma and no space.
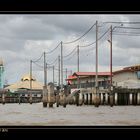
80,89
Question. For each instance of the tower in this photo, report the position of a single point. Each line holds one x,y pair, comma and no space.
1,74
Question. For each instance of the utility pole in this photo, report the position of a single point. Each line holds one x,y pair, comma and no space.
59,70
30,74
61,66
96,85
45,70
111,86
78,58
78,80
110,41
53,75
111,56
66,75
71,72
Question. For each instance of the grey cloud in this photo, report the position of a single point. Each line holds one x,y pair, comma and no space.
22,37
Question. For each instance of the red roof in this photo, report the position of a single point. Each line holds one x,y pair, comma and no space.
91,73
71,77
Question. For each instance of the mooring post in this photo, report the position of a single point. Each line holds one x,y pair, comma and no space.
3,97
80,98
57,97
30,98
45,96
111,96
106,98
116,98
130,98
51,97
19,98
101,98
138,98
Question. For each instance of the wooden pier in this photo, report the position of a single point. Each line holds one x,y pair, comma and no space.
79,97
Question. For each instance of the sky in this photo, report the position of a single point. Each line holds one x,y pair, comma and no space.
26,37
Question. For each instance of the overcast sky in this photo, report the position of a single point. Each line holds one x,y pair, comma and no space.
26,37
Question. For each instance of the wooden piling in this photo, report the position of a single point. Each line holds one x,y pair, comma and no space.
30,98
51,97
45,96
111,100
130,98
97,101
80,98
101,98
63,99
57,100
138,98
106,98
116,98
3,97
93,98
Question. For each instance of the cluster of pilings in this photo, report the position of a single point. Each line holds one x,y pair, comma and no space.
78,97
106,97
91,97
51,97
6,97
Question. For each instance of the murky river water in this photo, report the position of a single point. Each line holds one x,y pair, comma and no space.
35,114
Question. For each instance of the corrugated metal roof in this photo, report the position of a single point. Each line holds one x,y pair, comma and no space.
71,77
135,67
123,70
91,73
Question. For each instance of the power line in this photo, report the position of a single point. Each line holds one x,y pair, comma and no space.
38,58
53,49
63,70
70,52
97,39
123,22
52,62
80,36
126,34
38,65
127,27
70,57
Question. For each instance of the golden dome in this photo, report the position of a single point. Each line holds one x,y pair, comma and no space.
27,78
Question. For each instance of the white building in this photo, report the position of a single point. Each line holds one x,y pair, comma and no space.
128,77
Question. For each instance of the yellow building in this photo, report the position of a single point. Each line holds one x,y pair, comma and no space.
25,84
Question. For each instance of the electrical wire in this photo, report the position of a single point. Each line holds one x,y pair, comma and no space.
68,71
38,65
38,58
80,36
126,34
70,52
127,27
53,49
52,62
97,39
122,22
70,57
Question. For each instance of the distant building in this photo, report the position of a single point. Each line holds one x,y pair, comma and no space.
25,84
128,77
87,79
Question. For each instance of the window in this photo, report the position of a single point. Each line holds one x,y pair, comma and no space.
138,74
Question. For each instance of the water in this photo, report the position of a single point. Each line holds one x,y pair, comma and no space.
35,114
